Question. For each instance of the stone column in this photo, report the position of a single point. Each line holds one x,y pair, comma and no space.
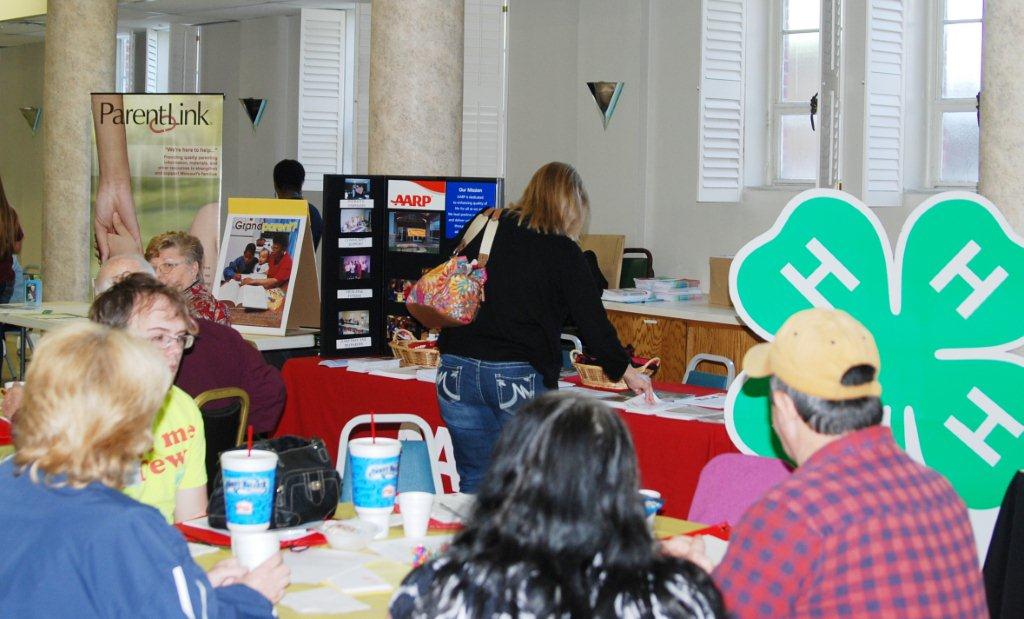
78,60
1001,173
416,87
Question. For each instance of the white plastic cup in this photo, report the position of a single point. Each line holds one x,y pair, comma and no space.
416,508
252,548
248,488
374,465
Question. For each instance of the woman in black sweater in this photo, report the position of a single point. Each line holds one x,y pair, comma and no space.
536,279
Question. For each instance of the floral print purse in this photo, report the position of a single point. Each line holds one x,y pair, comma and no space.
450,294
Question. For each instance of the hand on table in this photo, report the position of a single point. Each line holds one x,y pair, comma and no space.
639,383
689,548
227,572
269,578
114,197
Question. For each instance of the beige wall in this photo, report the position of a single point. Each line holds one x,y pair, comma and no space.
641,172
21,154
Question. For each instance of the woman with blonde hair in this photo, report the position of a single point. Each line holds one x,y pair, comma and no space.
76,542
177,258
537,278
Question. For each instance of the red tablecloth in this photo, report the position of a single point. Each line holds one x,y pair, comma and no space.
321,400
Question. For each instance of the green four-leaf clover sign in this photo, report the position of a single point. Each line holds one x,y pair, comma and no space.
943,310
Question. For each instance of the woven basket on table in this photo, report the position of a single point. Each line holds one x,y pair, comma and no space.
594,376
401,347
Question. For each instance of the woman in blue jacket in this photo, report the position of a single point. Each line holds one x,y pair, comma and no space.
73,543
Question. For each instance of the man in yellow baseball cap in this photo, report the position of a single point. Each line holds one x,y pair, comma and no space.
859,529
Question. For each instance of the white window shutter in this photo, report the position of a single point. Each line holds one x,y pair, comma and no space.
721,102
152,60
362,107
321,94
884,103
830,100
483,92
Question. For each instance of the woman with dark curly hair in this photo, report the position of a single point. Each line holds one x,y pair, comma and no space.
558,531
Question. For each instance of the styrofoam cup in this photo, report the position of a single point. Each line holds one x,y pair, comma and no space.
252,548
415,507
248,488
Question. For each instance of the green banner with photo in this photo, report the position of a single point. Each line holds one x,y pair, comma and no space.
157,164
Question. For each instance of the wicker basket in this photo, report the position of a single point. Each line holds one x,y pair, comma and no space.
594,376
401,347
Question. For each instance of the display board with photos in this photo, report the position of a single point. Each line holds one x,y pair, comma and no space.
381,233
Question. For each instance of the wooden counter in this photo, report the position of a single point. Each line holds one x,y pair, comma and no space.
676,331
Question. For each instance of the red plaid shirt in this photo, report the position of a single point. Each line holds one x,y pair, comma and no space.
202,304
859,530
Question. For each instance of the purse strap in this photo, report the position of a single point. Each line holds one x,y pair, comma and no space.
490,219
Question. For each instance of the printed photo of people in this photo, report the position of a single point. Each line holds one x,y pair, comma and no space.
355,220
354,322
414,232
355,267
357,189
398,289
394,323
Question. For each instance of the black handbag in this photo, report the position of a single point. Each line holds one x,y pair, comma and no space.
307,484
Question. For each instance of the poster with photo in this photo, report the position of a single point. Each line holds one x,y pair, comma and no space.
353,322
356,267
414,232
356,189
258,262
398,289
356,220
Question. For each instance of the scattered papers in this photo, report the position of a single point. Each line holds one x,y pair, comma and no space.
358,581
626,295
403,550
334,363
363,365
318,565
594,393
638,404
325,601
427,375
406,373
686,412
713,400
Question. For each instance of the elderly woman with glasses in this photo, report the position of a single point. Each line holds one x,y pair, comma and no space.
177,258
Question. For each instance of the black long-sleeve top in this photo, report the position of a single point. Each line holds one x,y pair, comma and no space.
534,282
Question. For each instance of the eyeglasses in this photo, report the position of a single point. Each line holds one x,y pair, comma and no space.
166,267
165,341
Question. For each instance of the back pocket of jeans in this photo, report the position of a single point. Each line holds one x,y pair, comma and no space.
449,378
514,390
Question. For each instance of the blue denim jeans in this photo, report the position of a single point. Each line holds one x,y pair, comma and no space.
477,398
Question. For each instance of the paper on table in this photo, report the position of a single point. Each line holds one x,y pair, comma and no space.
359,580
564,384
402,550
406,373
198,550
334,363
594,393
325,601
714,400
427,375
320,564
452,508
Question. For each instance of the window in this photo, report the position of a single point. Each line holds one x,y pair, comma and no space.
956,83
797,78
123,63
